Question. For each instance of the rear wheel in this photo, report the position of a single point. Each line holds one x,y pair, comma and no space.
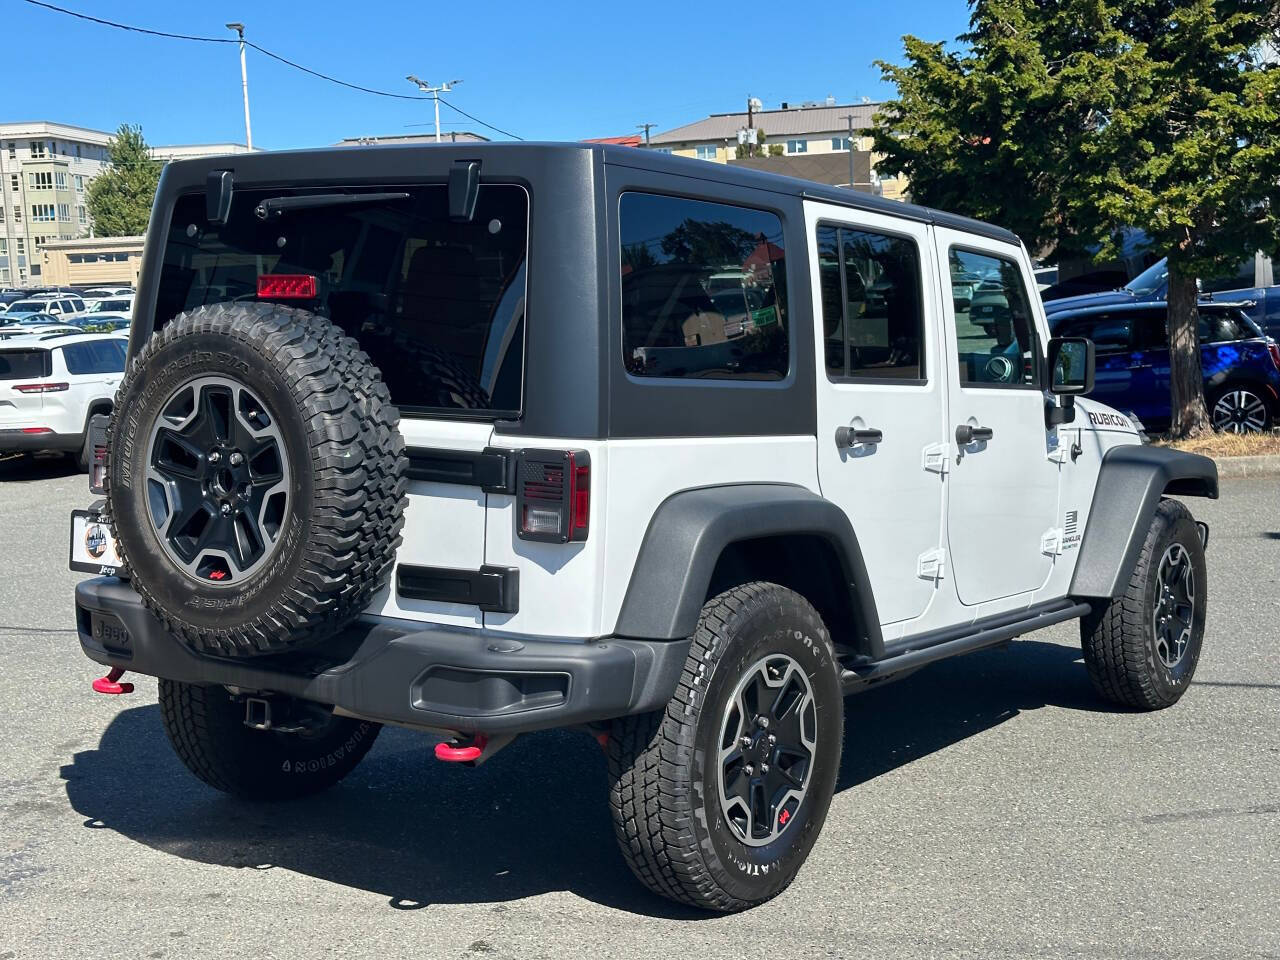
206,727
1239,408
718,799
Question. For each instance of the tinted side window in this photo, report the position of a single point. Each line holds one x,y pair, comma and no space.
103,356
1215,326
703,289
872,305
1109,332
995,336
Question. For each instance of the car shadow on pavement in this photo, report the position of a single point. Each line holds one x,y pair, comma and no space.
41,466
533,819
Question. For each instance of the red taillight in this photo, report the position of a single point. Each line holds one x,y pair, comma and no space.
287,286
37,430
553,495
41,387
580,496
1274,349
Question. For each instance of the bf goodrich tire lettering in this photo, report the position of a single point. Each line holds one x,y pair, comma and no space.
180,490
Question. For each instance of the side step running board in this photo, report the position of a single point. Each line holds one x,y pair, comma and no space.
915,652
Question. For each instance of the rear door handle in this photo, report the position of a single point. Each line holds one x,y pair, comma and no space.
967,433
848,436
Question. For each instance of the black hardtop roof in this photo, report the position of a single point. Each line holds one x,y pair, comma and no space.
638,158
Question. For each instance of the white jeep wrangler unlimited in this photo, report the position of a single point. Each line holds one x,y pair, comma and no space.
489,439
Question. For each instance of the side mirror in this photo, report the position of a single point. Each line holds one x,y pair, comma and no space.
1071,366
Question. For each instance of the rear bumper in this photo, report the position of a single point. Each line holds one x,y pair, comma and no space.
13,440
424,675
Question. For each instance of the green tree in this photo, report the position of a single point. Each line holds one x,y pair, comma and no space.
1071,120
119,198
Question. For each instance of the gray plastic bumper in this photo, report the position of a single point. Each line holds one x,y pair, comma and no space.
427,675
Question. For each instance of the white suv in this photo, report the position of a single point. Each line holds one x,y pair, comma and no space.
50,386
671,453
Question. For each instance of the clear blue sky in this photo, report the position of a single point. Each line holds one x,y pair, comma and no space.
541,70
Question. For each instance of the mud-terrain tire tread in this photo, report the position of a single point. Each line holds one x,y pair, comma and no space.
207,734
1114,639
357,462
649,756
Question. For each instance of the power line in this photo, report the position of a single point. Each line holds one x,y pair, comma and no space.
262,50
505,133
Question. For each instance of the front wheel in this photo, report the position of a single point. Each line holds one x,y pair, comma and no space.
1142,648
718,799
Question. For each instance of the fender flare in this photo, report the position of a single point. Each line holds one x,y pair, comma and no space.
1131,482
691,528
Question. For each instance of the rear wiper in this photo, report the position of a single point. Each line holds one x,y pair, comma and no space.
278,206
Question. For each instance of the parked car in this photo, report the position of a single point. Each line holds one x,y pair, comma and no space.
120,304
10,296
57,306
1241,364
1095,281
50,387
473,519
102,293
1252,281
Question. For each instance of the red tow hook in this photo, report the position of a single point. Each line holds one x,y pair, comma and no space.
111,683
462,752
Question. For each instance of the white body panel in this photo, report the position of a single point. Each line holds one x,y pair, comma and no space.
1003,493
893,502
444,525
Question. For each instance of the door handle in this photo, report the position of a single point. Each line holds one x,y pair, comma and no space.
848,436
967,433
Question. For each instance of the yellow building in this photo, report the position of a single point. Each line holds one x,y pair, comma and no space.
91,261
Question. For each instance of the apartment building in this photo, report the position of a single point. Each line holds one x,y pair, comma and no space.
793,132
44,170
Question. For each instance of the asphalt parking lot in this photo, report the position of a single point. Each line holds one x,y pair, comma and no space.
990,806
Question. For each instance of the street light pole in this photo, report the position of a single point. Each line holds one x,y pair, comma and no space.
435,95
850,119
244,84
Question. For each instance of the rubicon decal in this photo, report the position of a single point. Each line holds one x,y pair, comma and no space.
1109,420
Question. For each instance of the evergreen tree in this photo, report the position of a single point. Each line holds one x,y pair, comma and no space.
119,198
1071,120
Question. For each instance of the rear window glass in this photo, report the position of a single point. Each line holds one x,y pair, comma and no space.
21,364
703,290
95,356
438,305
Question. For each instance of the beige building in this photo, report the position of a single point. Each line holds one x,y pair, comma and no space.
91,261
796,132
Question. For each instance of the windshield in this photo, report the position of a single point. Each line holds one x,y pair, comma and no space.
1151,280
28,306
110,306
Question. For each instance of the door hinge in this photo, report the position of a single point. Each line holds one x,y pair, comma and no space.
932,564
1059,453
1051,542
937,457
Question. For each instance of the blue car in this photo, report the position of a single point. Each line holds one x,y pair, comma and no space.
1241,363
1253,281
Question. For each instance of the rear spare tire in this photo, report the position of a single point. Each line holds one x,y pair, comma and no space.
255,477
